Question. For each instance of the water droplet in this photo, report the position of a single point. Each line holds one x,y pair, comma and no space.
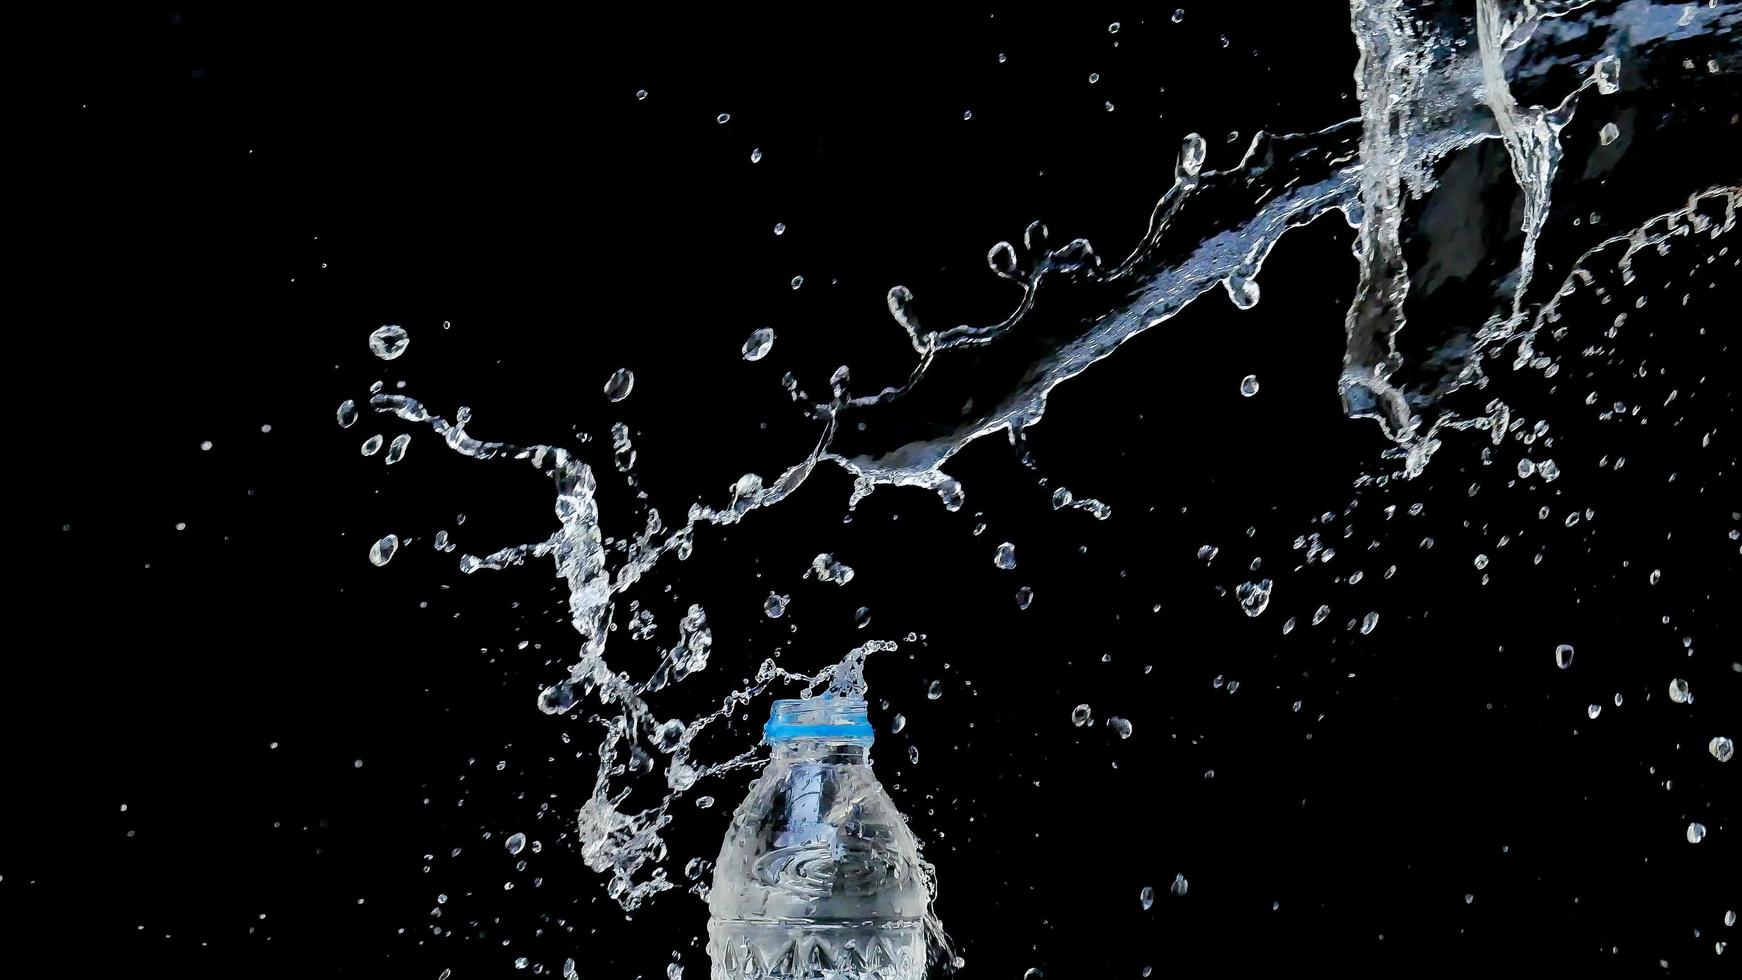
1249,385
557,698
1024,597
723,118
372,445
1593,711
1178,15
774,606
913,754
396,451
1368,622
1481,561
862,617
1113,28
1179,885
388,342
1094,77
347,413
1679,692
1608,74
1730,918
797,281
618,386
779,228
1288,626
1656,576
827,568
897,723
1146,897
1548,470
640,96
935,691
1469,898
1033,973
206,446
1696,832
1608,134
515,843
967,114
1320,613
1721,748
1005,556
1563,656
1081,715
756,155
1526,467
381,552
1243,291
1253,596
760,343
1120,725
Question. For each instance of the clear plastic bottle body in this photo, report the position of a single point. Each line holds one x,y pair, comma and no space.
819,877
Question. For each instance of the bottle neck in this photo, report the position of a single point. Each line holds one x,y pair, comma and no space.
851,752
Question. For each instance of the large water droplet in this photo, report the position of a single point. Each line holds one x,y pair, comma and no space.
372,445
897,723
1679,692
618,386
775,605
1608,75
396,451
760,343
1146,897
1207,552
1253,596
1005,557
1592,711
557,698
935,691
827,568
1696,832
1179,885
1249,385
389,342
1563,656
381,552
1721,748
347,413
1081,715
515,843
1368,622
1120,725
1608,134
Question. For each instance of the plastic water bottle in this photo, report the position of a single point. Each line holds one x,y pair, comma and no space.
819,877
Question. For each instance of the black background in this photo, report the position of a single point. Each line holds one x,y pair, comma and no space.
232,201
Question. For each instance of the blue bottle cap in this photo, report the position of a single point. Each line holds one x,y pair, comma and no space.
828,717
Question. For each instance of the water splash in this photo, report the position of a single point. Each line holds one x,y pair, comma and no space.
1465,122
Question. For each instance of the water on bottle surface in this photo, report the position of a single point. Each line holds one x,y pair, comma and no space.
819,876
